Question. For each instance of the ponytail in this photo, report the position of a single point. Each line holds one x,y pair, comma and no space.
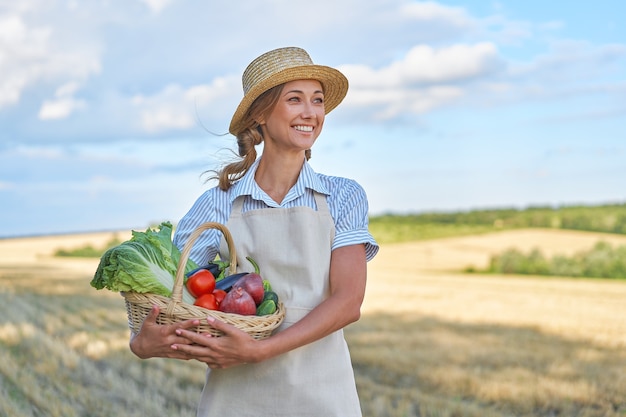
246,141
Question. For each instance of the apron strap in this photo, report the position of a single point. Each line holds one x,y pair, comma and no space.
320,202
237,206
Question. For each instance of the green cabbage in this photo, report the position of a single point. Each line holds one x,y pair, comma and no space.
146,263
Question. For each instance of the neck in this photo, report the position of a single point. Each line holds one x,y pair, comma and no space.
277,174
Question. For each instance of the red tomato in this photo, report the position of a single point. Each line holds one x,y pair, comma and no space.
219,295
206,301
202,282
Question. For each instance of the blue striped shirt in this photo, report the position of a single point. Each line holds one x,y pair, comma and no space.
346,200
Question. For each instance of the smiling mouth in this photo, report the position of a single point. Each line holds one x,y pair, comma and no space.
304,128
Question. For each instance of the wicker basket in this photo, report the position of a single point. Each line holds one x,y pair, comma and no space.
173,310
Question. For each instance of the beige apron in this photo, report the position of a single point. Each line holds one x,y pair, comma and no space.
292,247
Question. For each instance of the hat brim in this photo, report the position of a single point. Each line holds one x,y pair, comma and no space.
334,83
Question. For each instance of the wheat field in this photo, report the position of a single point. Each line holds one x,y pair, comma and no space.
432,341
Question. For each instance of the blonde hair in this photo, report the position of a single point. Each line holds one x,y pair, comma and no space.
250,136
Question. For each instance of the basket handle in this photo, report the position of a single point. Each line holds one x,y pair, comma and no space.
177,291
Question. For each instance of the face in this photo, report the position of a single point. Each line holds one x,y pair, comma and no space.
297,118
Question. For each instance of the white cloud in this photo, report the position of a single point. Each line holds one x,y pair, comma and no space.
389,104
30,54
425,78
433,11
63,105
68,89
19,47
165,118
59,108
458,62
220,87
164,110
156,6
570,69
175,107
426,65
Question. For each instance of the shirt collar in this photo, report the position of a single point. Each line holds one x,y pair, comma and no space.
247,185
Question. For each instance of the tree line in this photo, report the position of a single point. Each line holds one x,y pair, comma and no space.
608,218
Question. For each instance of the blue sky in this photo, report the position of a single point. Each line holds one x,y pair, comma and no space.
109,109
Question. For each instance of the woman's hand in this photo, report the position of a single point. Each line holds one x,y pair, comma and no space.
156,340
234,347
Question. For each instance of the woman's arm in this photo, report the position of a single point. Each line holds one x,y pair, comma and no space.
348,272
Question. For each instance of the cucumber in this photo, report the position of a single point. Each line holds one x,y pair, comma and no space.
265,308
270,295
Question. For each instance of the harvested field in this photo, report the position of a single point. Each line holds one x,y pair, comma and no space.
431,342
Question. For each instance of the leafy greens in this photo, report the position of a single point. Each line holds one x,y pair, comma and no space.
146,263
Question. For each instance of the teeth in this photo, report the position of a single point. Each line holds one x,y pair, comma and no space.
304,128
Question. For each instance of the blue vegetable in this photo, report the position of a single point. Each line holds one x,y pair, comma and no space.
211,267
227,283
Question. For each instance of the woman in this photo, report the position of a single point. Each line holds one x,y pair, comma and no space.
308,233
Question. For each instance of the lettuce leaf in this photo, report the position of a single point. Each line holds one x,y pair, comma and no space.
146,263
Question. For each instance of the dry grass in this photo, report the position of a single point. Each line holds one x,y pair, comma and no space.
431,342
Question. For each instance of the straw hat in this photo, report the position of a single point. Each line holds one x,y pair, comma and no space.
281,66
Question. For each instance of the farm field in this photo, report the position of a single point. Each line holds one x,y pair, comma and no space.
432,341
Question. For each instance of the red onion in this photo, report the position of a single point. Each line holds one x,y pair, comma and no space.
253,284
238,301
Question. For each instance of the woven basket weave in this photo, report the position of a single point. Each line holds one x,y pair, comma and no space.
173,310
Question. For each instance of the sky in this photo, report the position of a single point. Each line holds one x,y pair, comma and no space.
111,111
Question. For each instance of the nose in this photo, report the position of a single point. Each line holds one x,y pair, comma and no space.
308,111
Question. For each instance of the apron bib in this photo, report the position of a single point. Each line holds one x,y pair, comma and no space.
292,247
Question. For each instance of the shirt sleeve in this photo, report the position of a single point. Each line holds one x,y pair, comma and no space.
206,247
351,219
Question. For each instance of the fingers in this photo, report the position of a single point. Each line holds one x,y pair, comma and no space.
222,327
152,315
218,324
192,337
227,329
186,331
198,342
188,324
